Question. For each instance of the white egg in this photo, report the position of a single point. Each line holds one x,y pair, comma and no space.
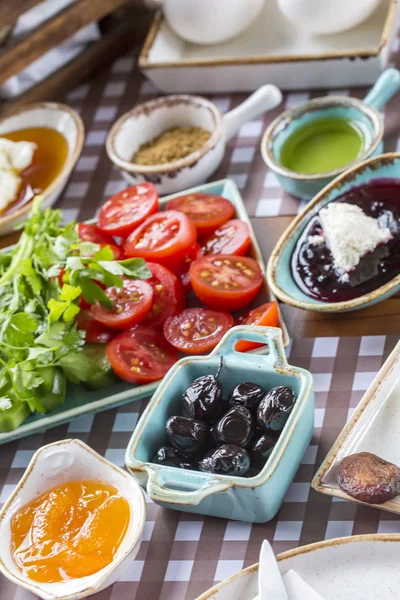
327,16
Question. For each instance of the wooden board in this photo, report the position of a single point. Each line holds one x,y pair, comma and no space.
10,10
114,43
19,53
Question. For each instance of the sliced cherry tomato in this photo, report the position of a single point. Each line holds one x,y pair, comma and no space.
226,282
128,209
131,303
163,238
95,332
91,233
118,252
168,298
266,315
207,211
141,355
182,270
60,277
233,237
197,330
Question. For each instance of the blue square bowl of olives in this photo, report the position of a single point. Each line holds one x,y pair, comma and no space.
224,434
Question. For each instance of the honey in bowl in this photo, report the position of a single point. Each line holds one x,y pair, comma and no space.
73,530
48,161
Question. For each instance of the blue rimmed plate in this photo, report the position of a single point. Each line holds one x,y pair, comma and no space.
79,400
279,273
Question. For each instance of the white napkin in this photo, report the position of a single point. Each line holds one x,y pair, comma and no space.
55,58
297,588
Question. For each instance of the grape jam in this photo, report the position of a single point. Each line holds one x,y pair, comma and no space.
312,265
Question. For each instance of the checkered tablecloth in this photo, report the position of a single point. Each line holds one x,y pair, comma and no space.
182,555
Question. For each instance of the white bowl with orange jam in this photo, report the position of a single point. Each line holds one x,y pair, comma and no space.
58,133
73,524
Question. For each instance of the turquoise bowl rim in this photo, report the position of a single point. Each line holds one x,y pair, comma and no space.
276,361
295,114
295,229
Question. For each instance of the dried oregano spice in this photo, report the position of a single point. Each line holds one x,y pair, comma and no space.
171,145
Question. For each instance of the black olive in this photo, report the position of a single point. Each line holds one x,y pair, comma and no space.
187,435
248,395
235,427
171,457
274,409
202,399
262,448
226,460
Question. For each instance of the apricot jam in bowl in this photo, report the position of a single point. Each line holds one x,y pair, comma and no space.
39,146
73,524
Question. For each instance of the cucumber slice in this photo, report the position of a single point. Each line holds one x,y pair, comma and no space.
12,417
52,391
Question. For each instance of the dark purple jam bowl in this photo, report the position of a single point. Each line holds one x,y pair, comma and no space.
312,266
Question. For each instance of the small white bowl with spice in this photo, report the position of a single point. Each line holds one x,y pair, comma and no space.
178,141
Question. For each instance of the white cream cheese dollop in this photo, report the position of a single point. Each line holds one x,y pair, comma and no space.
350,234
15,157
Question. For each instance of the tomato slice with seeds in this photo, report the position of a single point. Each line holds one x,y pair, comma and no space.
141,355
233,237
226,282
207,211
122,213
182,270
95,332
163,238
130,304
266,315
88,232
168,295
197,330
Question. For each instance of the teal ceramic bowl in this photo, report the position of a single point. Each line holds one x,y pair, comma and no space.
253,499
279,275
363,113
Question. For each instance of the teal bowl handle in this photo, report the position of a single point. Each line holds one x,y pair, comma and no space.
386,86
270,336
174,494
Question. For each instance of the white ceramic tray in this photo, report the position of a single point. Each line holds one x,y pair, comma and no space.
363,567
374,427
271,50
79,400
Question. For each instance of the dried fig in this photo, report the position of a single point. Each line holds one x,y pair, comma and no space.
369,478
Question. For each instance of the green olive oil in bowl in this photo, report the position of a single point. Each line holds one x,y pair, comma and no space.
323,145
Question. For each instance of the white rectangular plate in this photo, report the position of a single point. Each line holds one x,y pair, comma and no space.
374,427
271,50
79,400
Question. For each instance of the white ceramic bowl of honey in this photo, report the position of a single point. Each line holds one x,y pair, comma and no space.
60,463
58,132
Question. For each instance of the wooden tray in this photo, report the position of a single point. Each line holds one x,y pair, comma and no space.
271,50
122,22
